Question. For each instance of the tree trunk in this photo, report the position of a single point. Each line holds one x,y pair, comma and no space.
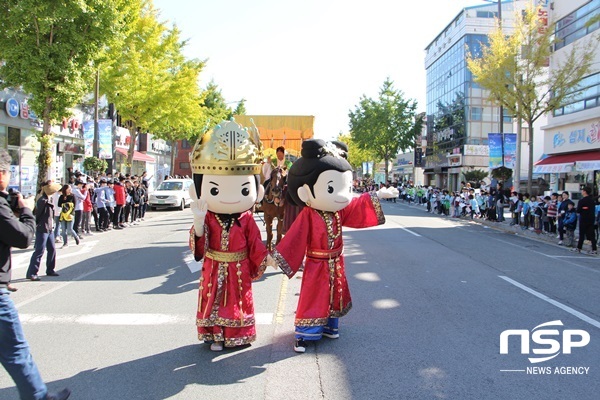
45,156
173,155
387,162
130,152
530,169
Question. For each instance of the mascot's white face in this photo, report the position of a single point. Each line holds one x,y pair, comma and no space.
333,191
230,194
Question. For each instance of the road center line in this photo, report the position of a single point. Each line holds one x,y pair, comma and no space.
555,303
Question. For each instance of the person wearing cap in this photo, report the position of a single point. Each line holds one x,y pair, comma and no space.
15,355
44,233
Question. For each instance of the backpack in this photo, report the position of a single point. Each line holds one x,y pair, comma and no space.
513,206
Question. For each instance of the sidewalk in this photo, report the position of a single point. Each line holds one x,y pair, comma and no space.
505,226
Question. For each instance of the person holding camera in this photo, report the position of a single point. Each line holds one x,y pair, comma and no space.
14,349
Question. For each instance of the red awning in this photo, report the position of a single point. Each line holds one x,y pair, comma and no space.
137,156
570,158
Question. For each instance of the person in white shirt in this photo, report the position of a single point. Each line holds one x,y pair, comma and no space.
79,198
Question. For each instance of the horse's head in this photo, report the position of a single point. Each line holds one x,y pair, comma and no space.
276,186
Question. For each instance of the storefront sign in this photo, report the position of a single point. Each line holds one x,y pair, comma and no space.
70,148
476,150
12,108
573,138
587,165
553,168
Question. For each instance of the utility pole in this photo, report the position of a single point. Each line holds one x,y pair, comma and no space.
95,144
500,27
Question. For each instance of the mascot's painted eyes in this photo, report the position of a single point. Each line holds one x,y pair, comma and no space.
214,191
245,192
329,189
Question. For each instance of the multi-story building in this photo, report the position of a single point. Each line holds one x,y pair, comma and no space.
459,114
572,135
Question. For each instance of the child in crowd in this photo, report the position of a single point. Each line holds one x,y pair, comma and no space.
526,211
570,223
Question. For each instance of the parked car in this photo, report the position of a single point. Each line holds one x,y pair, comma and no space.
171,193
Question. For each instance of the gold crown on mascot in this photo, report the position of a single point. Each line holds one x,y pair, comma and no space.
228,149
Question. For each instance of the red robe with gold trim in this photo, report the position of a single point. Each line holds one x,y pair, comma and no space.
225,305
324,292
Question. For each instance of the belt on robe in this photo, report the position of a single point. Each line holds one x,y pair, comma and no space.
320,254
226,256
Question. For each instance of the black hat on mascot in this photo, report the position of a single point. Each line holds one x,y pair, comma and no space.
317,156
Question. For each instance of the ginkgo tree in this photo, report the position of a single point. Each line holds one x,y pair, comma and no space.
50,50
515,70
154,88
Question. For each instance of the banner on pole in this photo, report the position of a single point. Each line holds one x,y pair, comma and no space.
495,144
510,150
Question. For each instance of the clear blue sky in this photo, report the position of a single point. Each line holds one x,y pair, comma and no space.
311,57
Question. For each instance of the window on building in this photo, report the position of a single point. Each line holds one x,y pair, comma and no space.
487,14
476,113
587,95
185,144
576,25
14,136
184,165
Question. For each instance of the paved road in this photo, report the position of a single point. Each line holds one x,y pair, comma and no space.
431,297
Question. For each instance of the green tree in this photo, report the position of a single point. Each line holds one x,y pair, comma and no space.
475,176
94,164
214,104
356,155
151,84
241,108
514,69
385,125
50,49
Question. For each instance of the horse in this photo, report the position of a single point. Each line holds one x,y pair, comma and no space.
273,205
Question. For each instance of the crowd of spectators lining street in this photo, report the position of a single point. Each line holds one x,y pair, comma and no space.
554,215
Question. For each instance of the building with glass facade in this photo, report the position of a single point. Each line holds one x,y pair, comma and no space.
572,135
459,115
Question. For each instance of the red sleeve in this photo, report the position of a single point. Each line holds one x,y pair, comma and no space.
362,212
290,251
257,251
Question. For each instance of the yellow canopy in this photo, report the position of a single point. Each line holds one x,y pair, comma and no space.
281,130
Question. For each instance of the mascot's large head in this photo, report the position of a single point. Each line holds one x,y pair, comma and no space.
226,166
322,177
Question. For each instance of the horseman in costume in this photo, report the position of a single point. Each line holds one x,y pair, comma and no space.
279,162
226,171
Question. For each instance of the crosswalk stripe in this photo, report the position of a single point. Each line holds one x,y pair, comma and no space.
124,319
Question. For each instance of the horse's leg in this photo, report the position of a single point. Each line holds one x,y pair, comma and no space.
269,224
279,227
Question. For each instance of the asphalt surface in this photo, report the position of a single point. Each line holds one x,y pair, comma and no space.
431,297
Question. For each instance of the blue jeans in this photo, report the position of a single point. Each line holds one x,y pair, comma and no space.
42,240
67,228
14,352
56,226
